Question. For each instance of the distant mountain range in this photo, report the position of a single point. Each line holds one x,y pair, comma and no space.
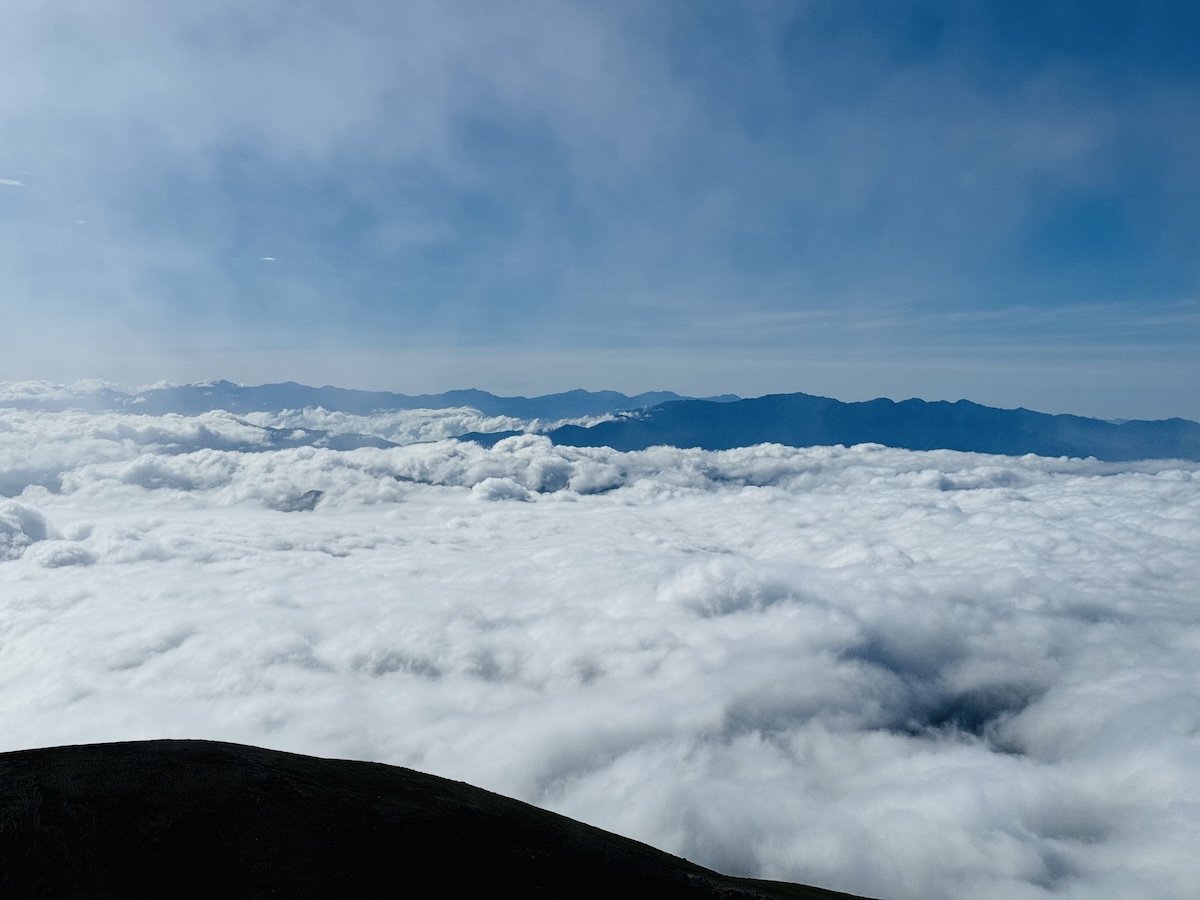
802,420
663,417
191,399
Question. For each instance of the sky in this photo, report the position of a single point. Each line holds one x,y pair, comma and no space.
911,675
991,201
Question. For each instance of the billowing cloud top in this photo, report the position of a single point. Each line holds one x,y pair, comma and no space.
903,674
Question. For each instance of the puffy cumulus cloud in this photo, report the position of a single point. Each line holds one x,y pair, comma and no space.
901,674
51,392
499,489
411,426
406,426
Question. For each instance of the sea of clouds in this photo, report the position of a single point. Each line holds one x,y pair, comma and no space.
902,674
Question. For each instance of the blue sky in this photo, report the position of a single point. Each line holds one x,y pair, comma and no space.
996,201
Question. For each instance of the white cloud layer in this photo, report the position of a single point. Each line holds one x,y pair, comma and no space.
909,675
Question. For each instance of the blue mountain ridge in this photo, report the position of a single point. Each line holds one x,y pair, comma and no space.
803,420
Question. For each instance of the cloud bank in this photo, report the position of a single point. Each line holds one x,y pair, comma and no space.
903,674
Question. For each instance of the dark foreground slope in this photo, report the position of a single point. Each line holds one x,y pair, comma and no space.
802,420
200,818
